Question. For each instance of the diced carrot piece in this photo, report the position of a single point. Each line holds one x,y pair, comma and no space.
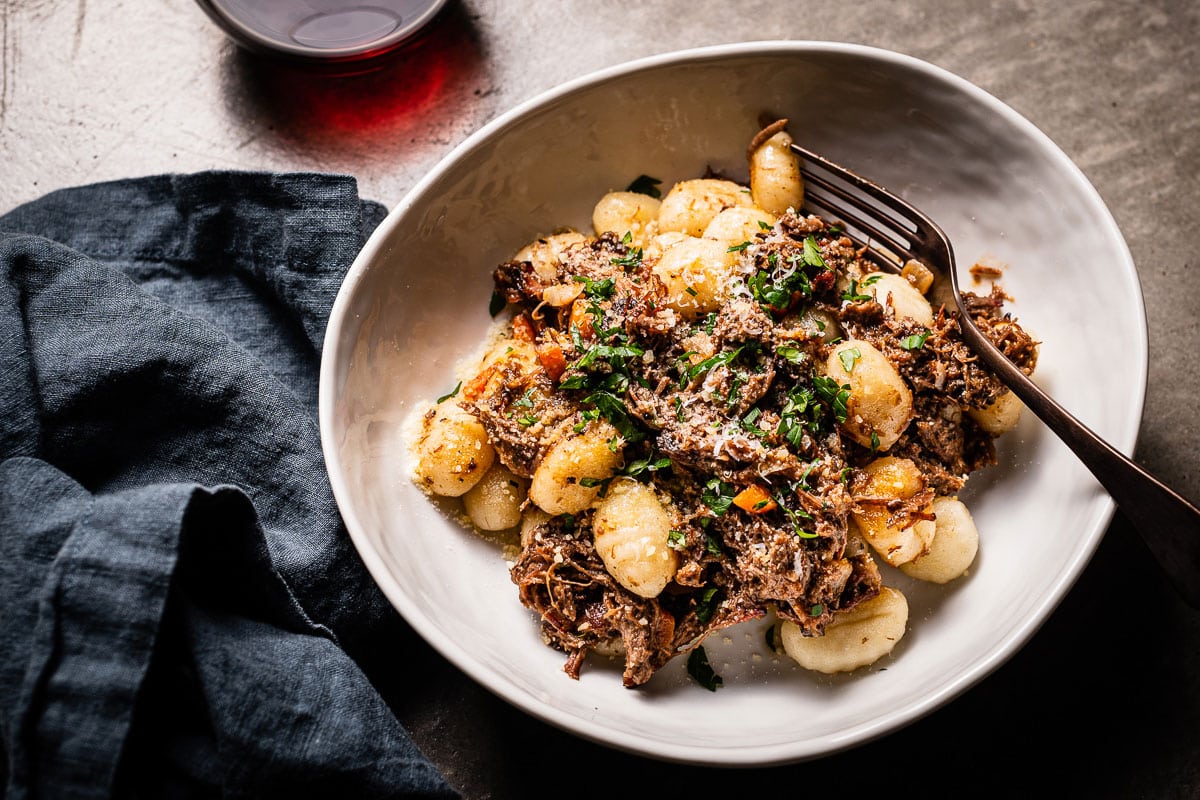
552,358
473,389
522,329
581,320
754,499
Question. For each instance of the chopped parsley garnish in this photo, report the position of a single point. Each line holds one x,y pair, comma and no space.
613,409
718,495
720,359
804,409
676,539
600,290
710,598
852,295
812,253
452,393
849,357
915,341
649,464
631,259
817,610
737,248
790,354
701,671
497,303
748,422
837,396
644,184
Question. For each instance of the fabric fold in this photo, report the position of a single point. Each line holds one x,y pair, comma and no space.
184,610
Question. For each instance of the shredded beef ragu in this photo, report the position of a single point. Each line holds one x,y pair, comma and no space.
713,408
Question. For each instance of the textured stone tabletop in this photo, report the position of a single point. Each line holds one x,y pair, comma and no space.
1104,702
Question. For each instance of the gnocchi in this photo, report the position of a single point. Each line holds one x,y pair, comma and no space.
632,534
953,546
999,416
454,451
494,503
854,639
691,205
775,181
893,291
695,273
569,478
880,404
627,212
886,482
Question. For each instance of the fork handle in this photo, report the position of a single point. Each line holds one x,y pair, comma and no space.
1167,523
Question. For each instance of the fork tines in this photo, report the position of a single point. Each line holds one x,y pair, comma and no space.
870,215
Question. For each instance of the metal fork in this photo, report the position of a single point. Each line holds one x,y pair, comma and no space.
894,232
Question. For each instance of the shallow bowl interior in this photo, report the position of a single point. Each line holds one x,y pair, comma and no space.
416,302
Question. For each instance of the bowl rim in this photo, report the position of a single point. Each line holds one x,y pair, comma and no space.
764,755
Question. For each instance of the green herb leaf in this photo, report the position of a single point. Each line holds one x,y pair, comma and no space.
720,359
612,409
453,392
812,254
709,600
849,357
497,303
837,396
853,295
717,495
701,671
644,184
915,341
790,354
631,259
601,290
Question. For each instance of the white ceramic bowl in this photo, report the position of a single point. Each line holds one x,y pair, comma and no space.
416,301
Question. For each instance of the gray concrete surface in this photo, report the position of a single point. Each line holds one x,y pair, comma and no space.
1103,703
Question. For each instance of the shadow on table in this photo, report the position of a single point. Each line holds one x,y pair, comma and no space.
405,96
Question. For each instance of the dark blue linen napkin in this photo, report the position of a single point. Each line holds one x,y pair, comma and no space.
183,613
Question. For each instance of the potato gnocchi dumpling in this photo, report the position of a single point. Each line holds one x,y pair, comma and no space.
892,291
546,253
696,274
886,483
855,638
954,545
735,226
627,212
570,476
691,205
880,405
494,503
454,452
632,534
999,416
775,181
714,407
